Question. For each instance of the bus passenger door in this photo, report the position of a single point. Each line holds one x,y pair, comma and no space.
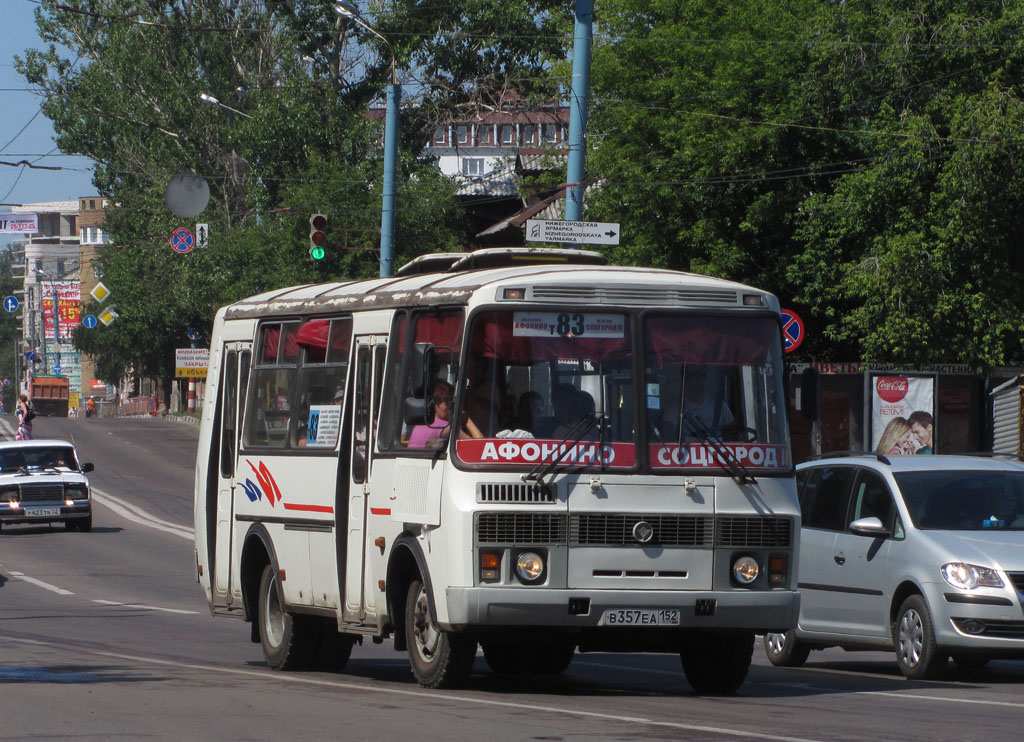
370,351
235,376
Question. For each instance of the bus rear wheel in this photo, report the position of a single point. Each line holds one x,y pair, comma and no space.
288,640
439,659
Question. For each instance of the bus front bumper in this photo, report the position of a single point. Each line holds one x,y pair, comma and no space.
755,610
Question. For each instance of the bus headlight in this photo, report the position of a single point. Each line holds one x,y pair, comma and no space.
529,567
745,570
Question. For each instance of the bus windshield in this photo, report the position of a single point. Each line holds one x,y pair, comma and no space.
713,389
542,385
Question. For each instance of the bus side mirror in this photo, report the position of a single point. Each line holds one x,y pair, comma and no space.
87,467
424,370
418,410
809,394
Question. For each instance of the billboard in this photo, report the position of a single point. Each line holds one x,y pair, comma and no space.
902,413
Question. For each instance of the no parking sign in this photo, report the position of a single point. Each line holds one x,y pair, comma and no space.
792,329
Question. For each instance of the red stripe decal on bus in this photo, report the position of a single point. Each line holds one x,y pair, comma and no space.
309,508
380,511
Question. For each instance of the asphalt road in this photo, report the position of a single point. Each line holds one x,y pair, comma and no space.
106,635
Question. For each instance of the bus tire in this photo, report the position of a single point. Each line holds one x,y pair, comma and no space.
553,659
509,659
439,659
335,647
717,664
288,640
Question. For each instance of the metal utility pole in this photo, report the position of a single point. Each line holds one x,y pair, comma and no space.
583,37
393,97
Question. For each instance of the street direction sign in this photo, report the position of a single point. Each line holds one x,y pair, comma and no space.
90,321
11,303
182,240
202,235
580,233
792,329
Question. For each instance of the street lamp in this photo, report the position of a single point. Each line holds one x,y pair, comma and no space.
210,99
56,321
393,97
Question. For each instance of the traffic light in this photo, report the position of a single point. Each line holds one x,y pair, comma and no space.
317,236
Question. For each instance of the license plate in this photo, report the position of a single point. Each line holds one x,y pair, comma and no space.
41,512
637,617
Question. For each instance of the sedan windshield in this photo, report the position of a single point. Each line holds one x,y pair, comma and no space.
964,500
31,458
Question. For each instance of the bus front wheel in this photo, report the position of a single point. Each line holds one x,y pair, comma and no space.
717,664
439,659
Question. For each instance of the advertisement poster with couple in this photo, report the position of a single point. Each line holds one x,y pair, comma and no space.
902,420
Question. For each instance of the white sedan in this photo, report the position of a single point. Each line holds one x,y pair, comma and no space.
44,482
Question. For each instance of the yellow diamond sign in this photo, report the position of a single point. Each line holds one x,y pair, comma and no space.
100,293
108,316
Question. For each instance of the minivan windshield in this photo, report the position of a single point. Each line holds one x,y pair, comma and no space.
964,500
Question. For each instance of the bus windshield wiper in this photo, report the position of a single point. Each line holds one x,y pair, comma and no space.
726,457
583,426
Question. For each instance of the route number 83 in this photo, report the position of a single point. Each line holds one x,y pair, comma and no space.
570,324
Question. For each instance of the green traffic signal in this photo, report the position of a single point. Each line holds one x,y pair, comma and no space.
317,236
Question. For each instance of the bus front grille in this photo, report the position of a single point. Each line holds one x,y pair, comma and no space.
520,528
620,529
754,532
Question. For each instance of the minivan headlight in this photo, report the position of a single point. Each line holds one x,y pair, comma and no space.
970,576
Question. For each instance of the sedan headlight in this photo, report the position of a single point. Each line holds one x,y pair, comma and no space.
77,492
970,576
9,494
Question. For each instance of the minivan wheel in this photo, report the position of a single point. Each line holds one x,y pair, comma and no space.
785,650
914,636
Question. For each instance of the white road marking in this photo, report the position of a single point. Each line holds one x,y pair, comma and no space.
137,515
434,696
39,583
145,607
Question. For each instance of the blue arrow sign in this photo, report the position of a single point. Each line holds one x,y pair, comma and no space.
192,334
11,303
56,369
90,321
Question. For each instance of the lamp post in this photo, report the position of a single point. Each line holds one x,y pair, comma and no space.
393,98
56,321
210,99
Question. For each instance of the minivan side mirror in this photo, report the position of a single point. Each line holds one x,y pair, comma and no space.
870,526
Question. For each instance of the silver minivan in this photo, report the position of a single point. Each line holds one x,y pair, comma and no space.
921,554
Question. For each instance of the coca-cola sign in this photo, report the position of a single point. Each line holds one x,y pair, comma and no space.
892,388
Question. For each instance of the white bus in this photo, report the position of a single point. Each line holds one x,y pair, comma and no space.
520,449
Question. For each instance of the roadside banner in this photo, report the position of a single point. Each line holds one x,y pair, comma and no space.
894,398
191,363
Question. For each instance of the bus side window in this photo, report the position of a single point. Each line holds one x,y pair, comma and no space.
269,407
441,331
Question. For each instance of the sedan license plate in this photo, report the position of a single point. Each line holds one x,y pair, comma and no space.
41,512
638,617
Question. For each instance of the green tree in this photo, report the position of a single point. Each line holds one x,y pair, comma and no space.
302,79
913,254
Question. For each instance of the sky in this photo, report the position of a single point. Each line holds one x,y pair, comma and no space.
20,185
